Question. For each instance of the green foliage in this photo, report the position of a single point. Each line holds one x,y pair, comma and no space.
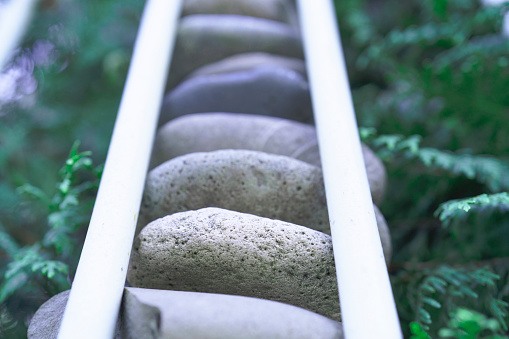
492,172
468,324
456,210
45,265
436,294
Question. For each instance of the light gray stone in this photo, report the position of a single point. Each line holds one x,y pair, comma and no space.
247,61
203,39
46,321
190,315
267,185
219,251
264,90
213,131
162,314
279,10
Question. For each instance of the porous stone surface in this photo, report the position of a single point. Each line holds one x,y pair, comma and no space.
205,132
247,61
264,90
150,313
279,10
207,38
219,251
259,183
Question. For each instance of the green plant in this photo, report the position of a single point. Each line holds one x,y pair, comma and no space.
468,324
45,265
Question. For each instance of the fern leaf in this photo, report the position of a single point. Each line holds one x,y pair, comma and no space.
457,209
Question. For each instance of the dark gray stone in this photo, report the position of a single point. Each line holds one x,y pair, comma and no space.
248,61
263,90
279,10
203,39
213,131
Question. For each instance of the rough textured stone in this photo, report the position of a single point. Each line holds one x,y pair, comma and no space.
46,321
219,251
264,90
279,10
148,313
247,61
213,131
203,39
267,185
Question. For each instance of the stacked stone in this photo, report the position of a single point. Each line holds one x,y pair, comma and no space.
233,230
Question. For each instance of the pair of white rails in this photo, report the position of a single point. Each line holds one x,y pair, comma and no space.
367,304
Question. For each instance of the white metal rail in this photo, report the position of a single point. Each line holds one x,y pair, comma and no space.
94,301
367,304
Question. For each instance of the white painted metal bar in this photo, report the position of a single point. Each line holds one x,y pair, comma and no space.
367,304
96,293
14,18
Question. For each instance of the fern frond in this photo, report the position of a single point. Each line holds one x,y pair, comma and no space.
457,209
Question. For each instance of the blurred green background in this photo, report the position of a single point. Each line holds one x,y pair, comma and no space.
429,80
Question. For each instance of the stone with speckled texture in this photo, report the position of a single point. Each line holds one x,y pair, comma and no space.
205,132
219,251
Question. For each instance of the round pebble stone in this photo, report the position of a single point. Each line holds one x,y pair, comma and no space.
219,251
271,91
267,185
278,10
151,313
203,39
204,132
247,61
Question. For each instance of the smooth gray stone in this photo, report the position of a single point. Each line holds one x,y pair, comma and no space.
265,90
278,10
267,185
204,132
190,315
247,61
203,39
219,251
148,313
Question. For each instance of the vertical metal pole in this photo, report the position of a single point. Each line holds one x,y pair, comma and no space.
96,293
367,304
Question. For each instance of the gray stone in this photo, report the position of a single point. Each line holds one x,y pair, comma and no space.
247,61
46,321
219,251
279,10
213,131
203,39
264,90
268,185
189,315
148,313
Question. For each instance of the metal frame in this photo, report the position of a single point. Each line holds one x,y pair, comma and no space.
94,302
367,304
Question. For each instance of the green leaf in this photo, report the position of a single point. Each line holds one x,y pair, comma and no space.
431,302
13,283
